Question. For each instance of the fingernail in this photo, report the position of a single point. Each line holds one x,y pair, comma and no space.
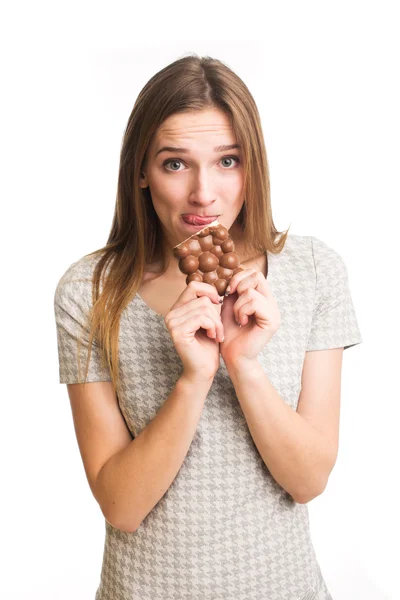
237,323
223,339
228,290
220,299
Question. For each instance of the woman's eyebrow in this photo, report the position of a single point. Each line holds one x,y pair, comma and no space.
185,150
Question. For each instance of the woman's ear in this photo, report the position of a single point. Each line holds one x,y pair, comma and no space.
143,180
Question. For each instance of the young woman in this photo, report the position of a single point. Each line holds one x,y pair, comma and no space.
204,431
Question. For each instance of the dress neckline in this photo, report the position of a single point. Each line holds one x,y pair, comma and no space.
155,313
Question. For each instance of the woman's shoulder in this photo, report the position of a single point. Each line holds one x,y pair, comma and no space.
296,246
306,256
312,258
309,245
82,268
76,281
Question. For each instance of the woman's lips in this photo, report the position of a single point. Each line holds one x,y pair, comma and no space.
197,220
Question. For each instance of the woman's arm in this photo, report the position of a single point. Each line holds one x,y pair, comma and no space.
297,453
132,481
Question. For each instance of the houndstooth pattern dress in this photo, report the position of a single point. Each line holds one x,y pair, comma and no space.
225,529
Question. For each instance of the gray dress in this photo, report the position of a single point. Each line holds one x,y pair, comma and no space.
225,529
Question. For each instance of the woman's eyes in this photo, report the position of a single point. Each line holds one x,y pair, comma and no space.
176,160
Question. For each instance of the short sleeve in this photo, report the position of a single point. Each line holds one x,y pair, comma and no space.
334,322
72,304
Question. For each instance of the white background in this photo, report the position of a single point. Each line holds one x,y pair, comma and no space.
325,77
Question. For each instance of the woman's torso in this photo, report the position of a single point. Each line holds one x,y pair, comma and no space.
225,528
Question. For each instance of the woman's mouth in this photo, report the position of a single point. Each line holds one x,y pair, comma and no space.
197,221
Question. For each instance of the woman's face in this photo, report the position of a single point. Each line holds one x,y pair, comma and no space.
196,177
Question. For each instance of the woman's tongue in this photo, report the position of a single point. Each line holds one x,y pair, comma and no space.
197,220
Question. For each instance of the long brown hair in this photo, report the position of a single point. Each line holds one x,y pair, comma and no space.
190,83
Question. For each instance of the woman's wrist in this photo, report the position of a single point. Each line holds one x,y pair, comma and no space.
196,379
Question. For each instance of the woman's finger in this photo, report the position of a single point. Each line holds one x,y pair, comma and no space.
236,279
247,297
178,318
197,289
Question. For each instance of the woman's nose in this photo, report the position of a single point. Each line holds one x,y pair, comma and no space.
202,187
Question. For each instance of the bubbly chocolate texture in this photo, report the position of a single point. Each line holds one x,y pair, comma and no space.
209,256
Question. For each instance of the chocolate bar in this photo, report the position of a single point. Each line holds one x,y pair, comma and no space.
209,256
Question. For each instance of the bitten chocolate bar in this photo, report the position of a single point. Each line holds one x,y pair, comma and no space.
209,256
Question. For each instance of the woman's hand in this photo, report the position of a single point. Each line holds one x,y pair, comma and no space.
194,323
251,304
